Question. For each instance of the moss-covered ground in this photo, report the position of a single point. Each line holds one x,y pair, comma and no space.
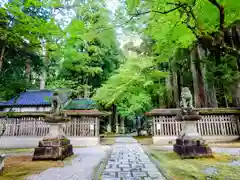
187,169
19,167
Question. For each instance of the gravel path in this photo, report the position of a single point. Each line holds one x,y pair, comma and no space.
81,168
128,161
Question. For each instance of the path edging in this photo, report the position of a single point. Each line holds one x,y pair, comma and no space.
102,164
155,161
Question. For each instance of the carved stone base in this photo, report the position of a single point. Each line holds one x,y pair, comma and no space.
53,149
192,148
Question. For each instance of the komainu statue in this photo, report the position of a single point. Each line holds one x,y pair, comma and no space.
56,104
189,143
186,99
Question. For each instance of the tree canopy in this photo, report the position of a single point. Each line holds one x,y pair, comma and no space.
76,44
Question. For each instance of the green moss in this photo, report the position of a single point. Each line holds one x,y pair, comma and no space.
20,114
144,140
107,141
20,167
219,111
16,150
180,169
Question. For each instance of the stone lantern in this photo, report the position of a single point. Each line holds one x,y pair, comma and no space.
190,144
2,156
54,145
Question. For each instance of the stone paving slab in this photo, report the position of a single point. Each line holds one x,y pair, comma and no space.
129,161
81,167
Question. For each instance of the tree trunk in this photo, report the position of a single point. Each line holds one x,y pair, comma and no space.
195,80
226,101
86,91
236,89
28,69
122,125
43,77
2,53
201,78
212,96
43,80
198,79
175,88
115,117
236,95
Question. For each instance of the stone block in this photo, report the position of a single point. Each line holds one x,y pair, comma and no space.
139,174
109,174
112,170
192,151
56,149
54,143
137,165
126,169
124,166
132,178
152,169
155,174
123,174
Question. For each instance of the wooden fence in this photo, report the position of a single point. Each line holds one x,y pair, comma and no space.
36,126
209,125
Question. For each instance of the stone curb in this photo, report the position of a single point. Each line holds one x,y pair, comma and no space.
155,162
102,165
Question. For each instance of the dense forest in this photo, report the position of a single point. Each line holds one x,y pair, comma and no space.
76,44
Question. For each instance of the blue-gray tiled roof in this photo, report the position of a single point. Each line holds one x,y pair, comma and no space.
34,98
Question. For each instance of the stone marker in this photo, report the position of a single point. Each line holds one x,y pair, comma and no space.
190,144
2,156
55,145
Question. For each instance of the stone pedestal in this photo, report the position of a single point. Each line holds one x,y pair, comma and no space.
190,144
189,130
2,157
55,146
192,148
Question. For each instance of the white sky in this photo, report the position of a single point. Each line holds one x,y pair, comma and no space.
113,5
122,38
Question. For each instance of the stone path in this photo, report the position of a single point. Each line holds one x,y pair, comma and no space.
81,167
128,161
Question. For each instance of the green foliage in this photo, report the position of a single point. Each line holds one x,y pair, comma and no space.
90,51
23,26
131,87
